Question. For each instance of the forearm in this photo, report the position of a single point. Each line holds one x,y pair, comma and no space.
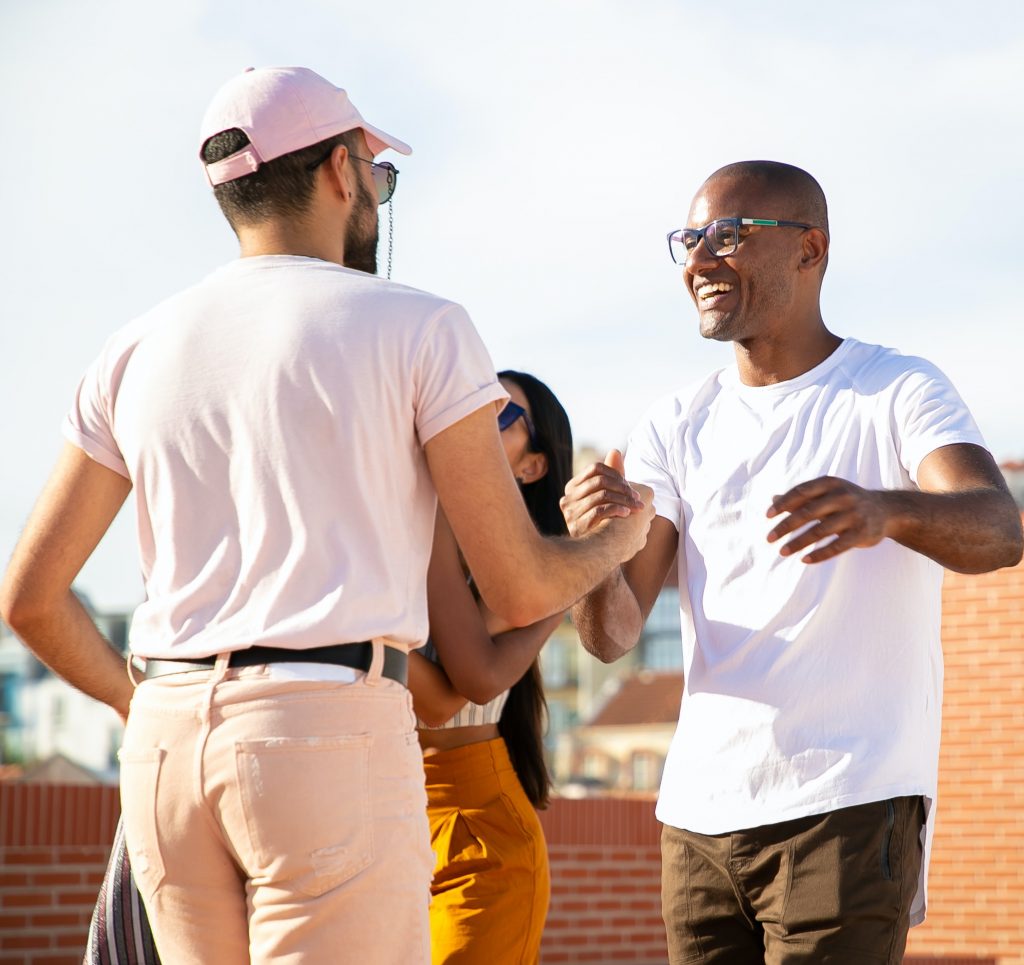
552,574
609,619
511,654
969,532
64,637
434,699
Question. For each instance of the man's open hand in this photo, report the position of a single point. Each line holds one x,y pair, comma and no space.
837,509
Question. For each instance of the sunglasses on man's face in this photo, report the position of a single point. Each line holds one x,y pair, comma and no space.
385,174
508,416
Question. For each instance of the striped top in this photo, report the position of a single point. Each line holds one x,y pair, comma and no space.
471,715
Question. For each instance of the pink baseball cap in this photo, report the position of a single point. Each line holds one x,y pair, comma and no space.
282,109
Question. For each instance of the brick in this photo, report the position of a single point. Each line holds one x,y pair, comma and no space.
25,899
26,941
77,896
571,872
50,878
84,856
18,856
14,879
58,919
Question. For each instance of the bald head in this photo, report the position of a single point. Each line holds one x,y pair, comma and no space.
789,193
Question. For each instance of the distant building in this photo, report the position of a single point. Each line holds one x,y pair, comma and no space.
59,769
579,687
43,718
623,747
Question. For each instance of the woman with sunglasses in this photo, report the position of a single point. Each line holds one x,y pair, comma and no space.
477,692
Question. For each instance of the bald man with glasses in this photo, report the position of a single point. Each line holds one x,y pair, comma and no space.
812,493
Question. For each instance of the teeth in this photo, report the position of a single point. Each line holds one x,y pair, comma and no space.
706,291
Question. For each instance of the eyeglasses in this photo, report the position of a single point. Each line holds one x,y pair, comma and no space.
385,174
508,416
721,237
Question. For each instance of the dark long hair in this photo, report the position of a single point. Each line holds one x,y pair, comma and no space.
523,719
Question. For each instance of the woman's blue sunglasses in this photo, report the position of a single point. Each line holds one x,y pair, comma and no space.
508,416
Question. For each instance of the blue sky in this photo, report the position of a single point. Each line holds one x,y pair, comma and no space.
555,143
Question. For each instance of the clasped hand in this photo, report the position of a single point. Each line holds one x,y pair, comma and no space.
600,494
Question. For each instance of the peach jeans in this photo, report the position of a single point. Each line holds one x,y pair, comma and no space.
277,820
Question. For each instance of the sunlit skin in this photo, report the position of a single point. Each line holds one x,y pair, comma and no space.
430,687
527,466
361,230
340,224
772,315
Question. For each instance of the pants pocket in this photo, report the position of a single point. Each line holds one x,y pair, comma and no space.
461,854
678,882
140,783
887,835
307,809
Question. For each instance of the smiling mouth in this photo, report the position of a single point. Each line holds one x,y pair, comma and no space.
707,292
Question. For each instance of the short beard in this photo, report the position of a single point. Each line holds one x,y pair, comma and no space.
360,242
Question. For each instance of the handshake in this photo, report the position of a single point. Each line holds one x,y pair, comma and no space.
600,497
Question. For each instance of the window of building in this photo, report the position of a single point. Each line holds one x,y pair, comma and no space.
554,664
646,770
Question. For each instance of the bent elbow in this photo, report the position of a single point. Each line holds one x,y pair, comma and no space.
433,720
519,604
1011,549
479,686
609,652
1015,552
17,608
483,693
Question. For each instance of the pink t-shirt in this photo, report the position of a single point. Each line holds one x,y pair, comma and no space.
272,420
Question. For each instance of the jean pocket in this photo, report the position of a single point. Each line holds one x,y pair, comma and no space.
140,783
307,809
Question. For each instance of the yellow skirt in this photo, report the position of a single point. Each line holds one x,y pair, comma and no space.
491,883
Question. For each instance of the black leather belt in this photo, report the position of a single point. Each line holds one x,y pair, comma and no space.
355,655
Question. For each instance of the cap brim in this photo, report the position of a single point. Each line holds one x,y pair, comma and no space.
378,141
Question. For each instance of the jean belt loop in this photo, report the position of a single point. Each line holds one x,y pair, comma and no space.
220,670
376,663
129,664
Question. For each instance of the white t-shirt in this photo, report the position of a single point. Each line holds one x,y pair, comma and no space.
807,687
272,421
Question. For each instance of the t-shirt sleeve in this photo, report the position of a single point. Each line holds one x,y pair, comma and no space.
928,414
89,422
648,461
454,375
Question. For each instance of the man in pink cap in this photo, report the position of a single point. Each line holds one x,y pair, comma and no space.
286,427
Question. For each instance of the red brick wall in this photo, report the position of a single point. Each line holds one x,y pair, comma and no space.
605,883
604,852
976,887
54,842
